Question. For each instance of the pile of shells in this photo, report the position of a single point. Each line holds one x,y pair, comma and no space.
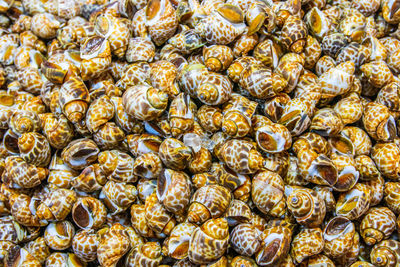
199,133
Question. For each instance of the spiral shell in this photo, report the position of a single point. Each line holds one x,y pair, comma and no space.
214,89
377,224
60,259
190,77
144,102
245,239
58,130
34,149
209,242
57,205
294,34
378,122
117,197
377,73
391,193
217,57
158,218
114,243
38,249
45,25
390,11
23,121
148,254
386,253
18,256
58,235
139,221
89,213
140,49
268,193
240,156
181,114
96,57
355,202
275,244
117,166
177,244
223,25
209,201
306,206
85,245
306,243
20,174
385,156
338,236
80,153
174,154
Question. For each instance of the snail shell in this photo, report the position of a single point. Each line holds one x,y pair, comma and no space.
80,153
144,102
174,154
58,130
338,236
392,196
177,244
378,122
117,166
385,156
214,89
306,243
89,213
209,242
245,239
268,193
90,179
114,243
386,253
84,245
157,216
100,111
377,224
209,201
140,49
306,206
217,57
20,174
148,165
148,254
117,196
181,114
59,259
38,249
355,202
57,205
58,235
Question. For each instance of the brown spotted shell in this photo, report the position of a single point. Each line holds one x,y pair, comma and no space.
57,205
157,217
209,242
148,254
84,245
177,244
355,202
268,193
117,166
385,156
181,114
34,148
307,243
338,236
214,89
117,197
175,154
245,239
114,243
89,213
209,201
80,153
58,235
377,224
386,253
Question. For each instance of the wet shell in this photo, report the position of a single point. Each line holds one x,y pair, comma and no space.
96,57
377,73
59,259
90,179
294,34
209,201
163,76
85,245
117,166
268,193
148,165
57,205
223,25
117,197
190,77
144,102
22,121
114,243
139,221
132,74
392,197
177,244
338,236
173,190
326,122
377,224
181,114
209,242
58,130
74,99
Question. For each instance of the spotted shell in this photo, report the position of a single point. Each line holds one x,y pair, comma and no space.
275,245
38,249
173,190
21,212
132,74
140,49
326,194
143,143
174,154
139,221
360,140
117,197
214,89
58,130
377,73
89,213
294,34
23,121
244,44
84,245
114,243
385,253
45,25
117,166
177,244
306,206
157,217
390,11
20,256
306,243
268,193
223,25
209,201
237,113
327,122
186,41
190,77
296,116
210,118
57,205
217,57
391,196
163,76
80,153
20,174
90,179
181,114
355,202
338,235
58,235
385,156
241,156
245,239
144,102
161,20
61,259
377,224
148,254
209,242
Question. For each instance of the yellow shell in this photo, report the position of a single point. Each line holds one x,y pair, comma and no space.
114,243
